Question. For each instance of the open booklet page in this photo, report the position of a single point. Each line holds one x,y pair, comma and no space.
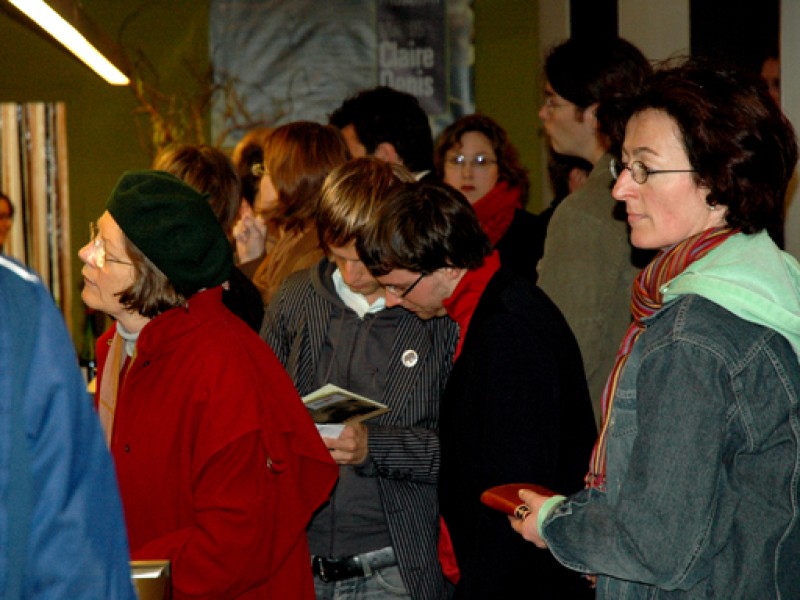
332,407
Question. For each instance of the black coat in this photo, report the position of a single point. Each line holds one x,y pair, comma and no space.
522,245
244,300
516,409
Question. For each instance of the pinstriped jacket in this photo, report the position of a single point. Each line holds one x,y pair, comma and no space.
403,443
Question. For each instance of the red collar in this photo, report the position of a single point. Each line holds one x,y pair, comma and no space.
460,306
496,210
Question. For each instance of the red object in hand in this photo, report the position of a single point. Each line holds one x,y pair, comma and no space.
505,498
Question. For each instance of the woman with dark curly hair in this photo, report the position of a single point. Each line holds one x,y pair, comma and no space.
694,482
475,156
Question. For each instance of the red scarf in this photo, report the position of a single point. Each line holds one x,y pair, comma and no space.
460,306
646,300
496,209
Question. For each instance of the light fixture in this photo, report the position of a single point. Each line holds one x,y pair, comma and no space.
70,37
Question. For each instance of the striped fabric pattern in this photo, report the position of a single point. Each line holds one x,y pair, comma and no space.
646,300
404,442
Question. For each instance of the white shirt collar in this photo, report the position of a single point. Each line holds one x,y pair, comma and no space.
357,302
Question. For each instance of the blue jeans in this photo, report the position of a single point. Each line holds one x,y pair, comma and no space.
382,583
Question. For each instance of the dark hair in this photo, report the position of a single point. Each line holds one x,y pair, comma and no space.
510,170
737,139
559,170
383,115
422,227
248,152
598,71
3,196
151,293
208,171
351,194
298,156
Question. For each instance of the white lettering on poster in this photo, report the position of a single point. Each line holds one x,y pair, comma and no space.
392,58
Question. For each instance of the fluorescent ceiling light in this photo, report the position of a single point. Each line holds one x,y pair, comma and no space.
66,34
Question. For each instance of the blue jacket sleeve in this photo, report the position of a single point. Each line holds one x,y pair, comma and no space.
77,545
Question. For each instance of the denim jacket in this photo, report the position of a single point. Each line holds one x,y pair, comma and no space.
703,466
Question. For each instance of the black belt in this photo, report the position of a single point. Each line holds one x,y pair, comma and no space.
360,565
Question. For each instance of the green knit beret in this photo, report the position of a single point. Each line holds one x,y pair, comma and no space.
173,225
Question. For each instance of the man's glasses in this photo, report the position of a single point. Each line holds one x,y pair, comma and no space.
400,291
481,161
98,251
639,171
550,102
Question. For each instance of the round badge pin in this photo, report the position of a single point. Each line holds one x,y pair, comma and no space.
410,358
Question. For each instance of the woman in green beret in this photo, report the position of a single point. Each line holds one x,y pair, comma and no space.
218,462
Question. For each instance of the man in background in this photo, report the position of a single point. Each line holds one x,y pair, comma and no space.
589,265
388,124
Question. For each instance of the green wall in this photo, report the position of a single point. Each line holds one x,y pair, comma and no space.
507,88
104,135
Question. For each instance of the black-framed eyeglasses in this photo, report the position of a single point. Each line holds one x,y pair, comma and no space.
400,292
639,171
98,251
480,161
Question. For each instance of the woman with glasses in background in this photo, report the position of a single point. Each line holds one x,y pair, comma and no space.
475,156
694,482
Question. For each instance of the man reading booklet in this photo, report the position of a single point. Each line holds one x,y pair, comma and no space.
331,325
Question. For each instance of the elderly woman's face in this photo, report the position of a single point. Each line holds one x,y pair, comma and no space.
471,166
107,268
668,207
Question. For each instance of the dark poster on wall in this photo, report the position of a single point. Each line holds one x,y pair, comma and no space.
276,61
412,50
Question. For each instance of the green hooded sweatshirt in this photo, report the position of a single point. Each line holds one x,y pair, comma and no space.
751,277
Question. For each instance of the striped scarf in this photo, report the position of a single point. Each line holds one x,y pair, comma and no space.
646,300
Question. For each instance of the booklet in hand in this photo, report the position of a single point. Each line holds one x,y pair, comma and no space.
332,407
505,498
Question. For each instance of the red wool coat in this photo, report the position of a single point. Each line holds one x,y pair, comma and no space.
219,464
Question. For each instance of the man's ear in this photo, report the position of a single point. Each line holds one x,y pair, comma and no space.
452,272
386,152
590,113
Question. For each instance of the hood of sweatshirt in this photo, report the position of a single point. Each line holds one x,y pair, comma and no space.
751,277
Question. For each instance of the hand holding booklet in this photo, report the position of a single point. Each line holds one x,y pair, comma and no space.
332,407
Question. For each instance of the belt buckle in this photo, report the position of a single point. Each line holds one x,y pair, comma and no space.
337,570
